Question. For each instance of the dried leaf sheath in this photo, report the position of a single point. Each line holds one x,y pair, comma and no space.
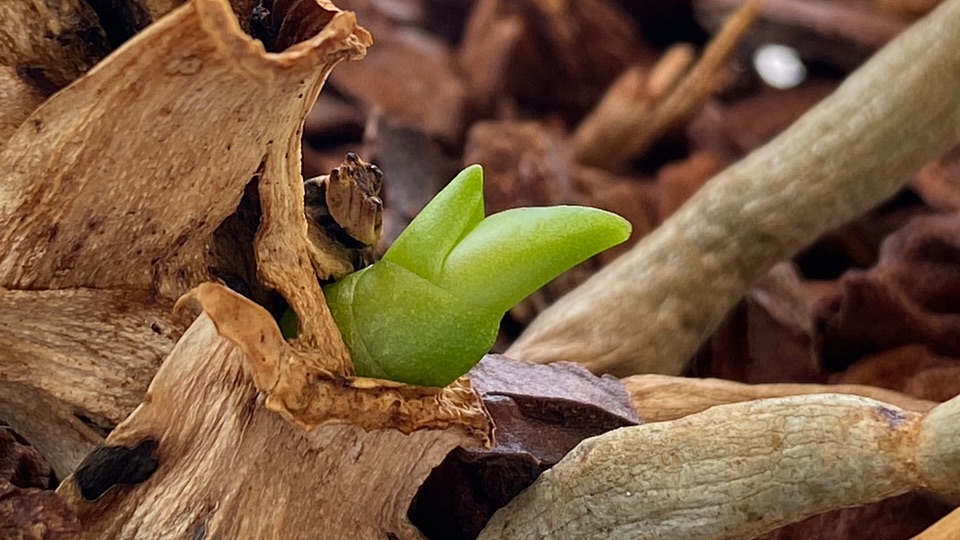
229,468
112,188
142,158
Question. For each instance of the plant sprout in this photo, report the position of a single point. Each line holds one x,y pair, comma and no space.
430,309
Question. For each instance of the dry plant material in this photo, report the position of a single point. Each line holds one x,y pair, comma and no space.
770,336
896,518
660,398
640,108
649,310
911,369
204,447
739,470
19,99
840,33
106,215
411,78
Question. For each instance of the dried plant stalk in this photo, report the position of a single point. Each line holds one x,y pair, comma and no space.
659,398
649,310
737,471
227,467
635,113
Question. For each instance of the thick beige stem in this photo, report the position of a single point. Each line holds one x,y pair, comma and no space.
659,398
737,471
651,309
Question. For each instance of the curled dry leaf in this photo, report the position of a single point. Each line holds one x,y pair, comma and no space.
740,470
114,186
650,309
210,451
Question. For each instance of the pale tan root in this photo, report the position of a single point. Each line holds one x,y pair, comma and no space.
736,471
659,398
649,310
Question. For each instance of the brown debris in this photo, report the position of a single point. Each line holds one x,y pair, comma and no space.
938,184
634,114
911,369
896,518
841,34
36,514
546,55
677,182
433,100
19,100
20,463
910,296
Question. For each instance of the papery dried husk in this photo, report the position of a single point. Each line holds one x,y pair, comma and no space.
220,453
114,186
736,471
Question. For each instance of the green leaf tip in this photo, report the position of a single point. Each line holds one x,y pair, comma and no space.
431,308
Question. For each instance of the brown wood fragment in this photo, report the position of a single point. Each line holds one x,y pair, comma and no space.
59,436
36,514
637,110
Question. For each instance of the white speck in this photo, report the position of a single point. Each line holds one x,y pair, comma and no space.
779,66
629,493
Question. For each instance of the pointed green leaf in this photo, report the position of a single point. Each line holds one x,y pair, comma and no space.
425,243
401,327
511,254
